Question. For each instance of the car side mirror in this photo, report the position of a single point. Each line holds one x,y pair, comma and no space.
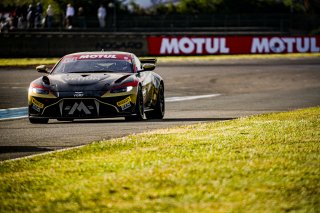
42,68
148,67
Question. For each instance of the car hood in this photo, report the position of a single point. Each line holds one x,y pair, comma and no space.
85,81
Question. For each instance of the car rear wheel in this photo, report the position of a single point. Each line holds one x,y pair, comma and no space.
38,120
159,109
139,110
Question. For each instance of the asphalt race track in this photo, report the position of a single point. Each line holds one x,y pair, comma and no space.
196,92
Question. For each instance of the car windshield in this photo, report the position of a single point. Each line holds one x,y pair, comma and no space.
93,66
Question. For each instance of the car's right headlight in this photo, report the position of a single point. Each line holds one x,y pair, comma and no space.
38,89
121,89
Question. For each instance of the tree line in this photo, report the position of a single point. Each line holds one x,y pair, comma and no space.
175,6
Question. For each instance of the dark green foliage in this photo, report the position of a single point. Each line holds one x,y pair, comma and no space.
182,7
232,7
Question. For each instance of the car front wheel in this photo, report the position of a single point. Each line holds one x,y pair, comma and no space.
159,109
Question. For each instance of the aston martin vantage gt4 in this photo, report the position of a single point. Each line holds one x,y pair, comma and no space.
90,85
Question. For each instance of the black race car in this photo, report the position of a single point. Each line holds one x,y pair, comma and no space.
97,85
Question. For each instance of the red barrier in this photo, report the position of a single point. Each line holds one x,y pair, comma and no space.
211,45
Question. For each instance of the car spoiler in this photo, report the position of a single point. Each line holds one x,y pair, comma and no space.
148,60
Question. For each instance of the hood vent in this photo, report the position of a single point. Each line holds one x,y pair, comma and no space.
121,79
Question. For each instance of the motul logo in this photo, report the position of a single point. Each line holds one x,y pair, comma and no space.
193,45
284,44
96,56
209,45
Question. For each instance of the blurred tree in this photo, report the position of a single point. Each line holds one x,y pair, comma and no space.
312,6
231,6
179,7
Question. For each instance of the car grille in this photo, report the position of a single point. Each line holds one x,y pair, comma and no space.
82,108
79,108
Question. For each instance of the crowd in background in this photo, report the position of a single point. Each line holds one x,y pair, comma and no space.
117,15
35,17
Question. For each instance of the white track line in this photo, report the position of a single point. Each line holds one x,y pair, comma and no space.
13,113
13,118
44,153
10,109
188,98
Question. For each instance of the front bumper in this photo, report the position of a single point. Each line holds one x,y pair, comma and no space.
82,108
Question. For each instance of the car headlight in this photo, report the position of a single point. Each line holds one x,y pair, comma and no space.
121,89
126,86
38,89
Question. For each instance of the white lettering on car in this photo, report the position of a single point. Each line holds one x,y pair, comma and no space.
76,78
69,59
84,56
90,56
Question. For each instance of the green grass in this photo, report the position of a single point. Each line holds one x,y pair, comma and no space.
265,163
188,59
20,62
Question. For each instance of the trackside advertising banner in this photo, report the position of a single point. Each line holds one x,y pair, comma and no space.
211,45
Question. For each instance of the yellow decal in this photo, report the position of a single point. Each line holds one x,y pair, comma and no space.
124,101
37,103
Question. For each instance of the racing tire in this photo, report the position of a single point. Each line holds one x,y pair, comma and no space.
38,120
159,109
139,109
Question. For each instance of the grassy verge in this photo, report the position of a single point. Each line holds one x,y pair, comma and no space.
20,62
188,59
266,163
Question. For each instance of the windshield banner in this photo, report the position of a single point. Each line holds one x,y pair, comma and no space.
215,45
95,56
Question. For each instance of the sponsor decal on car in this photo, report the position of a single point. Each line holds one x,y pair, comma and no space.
125,103
37,103
78,94
69,59
82,79
90,56
36,108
